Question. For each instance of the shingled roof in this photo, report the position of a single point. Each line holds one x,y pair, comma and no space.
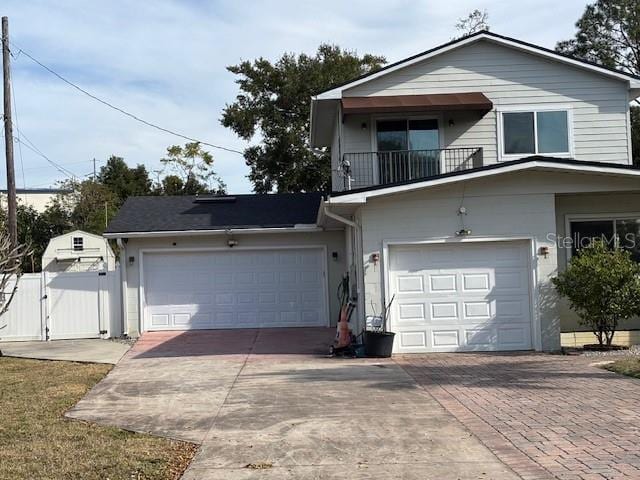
183,213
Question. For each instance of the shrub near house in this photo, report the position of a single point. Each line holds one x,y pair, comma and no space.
603,287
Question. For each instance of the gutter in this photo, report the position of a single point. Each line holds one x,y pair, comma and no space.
339,218
303,228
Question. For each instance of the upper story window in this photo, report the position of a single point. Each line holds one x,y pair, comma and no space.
531,132
402,135
78,244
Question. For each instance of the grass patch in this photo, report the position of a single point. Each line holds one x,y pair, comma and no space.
36,441
626,366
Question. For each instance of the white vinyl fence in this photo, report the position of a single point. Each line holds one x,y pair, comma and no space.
55,306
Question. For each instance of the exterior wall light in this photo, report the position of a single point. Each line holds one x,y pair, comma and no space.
465,232
232,243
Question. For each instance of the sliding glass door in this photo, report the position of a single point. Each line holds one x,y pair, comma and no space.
407,149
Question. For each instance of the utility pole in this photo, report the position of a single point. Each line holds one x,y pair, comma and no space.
94,169
8,136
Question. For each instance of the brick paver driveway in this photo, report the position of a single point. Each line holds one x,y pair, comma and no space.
545,416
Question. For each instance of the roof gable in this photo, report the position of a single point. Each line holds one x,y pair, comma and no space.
337,92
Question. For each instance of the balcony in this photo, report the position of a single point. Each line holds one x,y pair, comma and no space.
366,169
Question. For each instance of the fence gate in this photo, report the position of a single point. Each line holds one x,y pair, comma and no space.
65,305
74,303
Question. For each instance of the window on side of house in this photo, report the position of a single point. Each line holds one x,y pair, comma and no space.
78,244
535,132
616,233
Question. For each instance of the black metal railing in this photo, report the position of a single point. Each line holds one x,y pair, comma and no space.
365,169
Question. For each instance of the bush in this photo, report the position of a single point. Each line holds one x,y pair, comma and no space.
603,288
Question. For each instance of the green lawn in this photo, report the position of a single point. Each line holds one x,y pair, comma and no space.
629,366
37,442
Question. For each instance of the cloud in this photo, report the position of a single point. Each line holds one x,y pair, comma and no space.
165,61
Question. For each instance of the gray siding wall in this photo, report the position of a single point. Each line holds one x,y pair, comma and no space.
336,179
508,205
432,214
509,78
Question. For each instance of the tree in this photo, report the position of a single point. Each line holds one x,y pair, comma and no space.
11,260
475,22
124,181
274,103
191,171
609,34
603,288
33,230
88,205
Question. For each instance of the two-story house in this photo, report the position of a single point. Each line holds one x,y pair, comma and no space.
461,178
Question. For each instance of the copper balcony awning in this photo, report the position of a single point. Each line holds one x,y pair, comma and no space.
416,103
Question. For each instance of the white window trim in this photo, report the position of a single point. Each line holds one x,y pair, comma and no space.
504,157
73,244
595,217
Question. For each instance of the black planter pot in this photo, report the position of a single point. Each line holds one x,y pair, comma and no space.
378,344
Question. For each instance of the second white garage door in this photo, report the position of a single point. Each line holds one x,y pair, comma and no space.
456,297
235,289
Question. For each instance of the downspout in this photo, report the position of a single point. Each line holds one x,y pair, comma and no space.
357,254
124,324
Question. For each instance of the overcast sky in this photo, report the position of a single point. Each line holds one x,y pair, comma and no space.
165,62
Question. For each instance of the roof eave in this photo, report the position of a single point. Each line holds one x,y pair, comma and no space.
300,228
362,196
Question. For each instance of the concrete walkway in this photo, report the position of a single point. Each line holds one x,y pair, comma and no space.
266,404
92,350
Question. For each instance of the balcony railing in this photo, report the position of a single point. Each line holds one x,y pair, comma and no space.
365,169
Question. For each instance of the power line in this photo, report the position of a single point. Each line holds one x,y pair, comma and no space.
118,109
31,146
15,112
66,164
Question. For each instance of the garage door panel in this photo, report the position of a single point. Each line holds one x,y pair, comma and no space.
410,284
514,336
445,338
444,312
413,340
240,289
461,297
442,283
485,337
476,282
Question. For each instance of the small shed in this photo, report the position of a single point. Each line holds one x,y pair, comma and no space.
78,251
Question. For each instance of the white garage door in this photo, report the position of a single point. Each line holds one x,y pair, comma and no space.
234,289
456,297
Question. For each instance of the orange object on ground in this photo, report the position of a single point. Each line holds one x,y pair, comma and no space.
344,335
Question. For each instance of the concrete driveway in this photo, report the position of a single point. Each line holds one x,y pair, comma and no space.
267,404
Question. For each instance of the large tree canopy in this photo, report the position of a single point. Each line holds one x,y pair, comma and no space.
123,180
609,34
273,104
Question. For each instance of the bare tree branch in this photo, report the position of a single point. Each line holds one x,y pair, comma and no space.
11,259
